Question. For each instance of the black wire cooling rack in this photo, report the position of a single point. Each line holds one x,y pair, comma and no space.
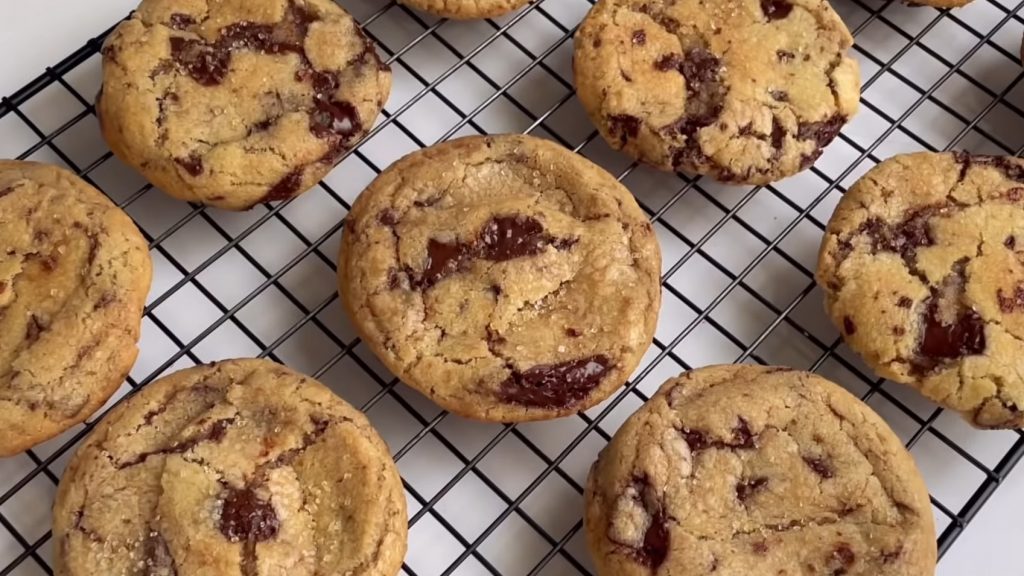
737,277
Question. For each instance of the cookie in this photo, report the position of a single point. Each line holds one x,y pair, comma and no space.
744,91
505,277
466,9
922,266
231,104
749,470
74,275
238,467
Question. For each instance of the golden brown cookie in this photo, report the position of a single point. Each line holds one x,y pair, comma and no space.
504,277
754,470
466,9
235,103
74,275
745,91
239,467
922,266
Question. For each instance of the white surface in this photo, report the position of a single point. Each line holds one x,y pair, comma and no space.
987,547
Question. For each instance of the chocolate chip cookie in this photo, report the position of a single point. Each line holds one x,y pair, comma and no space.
505,277
757,470
922,266
466,9
239,467
74,275
744,91
235,103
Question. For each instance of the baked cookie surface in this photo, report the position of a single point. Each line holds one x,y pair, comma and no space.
74,275
751,470
922,266
238,467
466,9
235,103
504,277
744,91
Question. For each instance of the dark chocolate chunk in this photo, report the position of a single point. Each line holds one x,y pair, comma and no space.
820,466
779,95
502,238
784,55
570,332
286,187
207,65
1011,302
760,547
904,302
180,21
394,279
705,100
245,517
656,541
696,439
950,329
35,327
842,558
848,326
776,9
747,488
157,557
335,118
1010,242
193,164
623,127
904,237
218,430
821,132
742,438
639,37
559,385
668,62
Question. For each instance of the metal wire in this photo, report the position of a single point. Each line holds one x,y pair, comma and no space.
704,315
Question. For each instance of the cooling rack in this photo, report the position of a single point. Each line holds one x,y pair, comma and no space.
737,275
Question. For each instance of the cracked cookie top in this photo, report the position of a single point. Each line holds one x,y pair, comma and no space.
505,277
757,470
922,266
466,9
744,91
241,468
74,275
235,103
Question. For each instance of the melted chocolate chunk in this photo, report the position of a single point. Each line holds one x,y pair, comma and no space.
705,100
639,37
742,438
656,541
157,557
502,238
842,558
180,21
1009,169
335,118
559,385
820,466
193,164
1010,242
821,132
387,217
1011,302
106,299
394,279
623,127
904,302
6,191
206,64
570,332
903,238
245,517
35,327
215,434
784,55
950,329
286,188
776,9
848,326
749,487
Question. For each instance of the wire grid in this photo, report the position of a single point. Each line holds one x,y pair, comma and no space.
737,278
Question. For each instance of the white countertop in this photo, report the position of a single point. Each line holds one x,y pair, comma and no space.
987,547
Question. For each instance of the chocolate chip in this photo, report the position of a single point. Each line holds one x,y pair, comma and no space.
822,133
842,558
784,55
559,385
597,42
749,487
760,547
206,64
335,118
904,302
1011,302
904,237
193,164
950,329
705,99
394,279
820,466
502,238
776,9
570,332
779,95
286,187
48,262
898,330
848,326
656,542
742,438
1010,242
245,517
696,439
35,327
668,62
639,37
157,557
623,127
180,21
